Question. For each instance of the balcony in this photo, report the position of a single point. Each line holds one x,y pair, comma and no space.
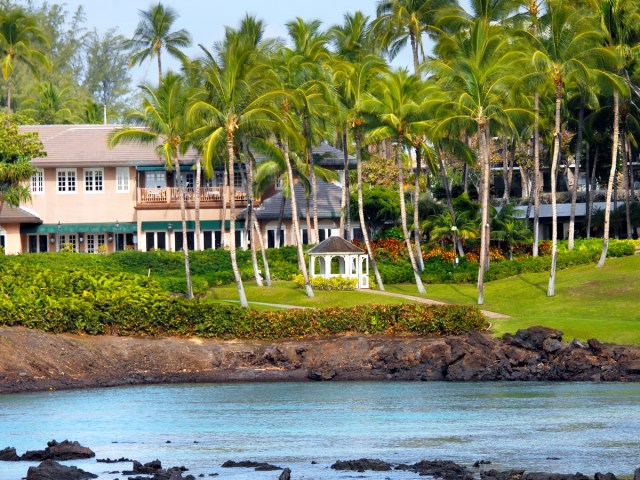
169,197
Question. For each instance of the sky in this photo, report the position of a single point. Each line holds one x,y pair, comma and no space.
205,19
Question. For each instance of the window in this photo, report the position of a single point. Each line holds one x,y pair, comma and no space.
155,179
278,183
189,179
122,179
38,243
156,240
91,243
66,180
271,238
37,182
219,179
69,242
3,242
94,180
237,180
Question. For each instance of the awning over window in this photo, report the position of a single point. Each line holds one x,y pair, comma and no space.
191,225
183,168
124,227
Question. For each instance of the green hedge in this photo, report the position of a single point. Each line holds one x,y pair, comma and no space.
102,303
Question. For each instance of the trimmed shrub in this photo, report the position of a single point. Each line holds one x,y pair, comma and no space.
320,283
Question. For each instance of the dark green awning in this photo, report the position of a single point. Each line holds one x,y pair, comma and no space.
124,227
191,225
183,168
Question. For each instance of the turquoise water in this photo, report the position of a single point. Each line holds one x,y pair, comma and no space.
591,427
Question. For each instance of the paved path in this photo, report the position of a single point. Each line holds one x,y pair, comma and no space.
276,305
486,313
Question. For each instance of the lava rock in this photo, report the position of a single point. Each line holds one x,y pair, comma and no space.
51,470
257,466
362,465
64,450
439,469
9,455
285,475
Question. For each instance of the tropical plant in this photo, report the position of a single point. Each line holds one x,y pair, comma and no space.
506,227
164,123
21,41
154,34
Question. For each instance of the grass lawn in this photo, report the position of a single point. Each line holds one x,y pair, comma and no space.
285,293
589,302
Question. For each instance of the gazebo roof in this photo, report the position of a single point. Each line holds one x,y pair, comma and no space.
335,245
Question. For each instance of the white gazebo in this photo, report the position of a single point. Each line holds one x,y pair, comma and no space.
337,257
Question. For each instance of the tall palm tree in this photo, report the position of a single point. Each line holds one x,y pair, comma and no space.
475,70
162,121
355,79
619,20
154,34
21,41
566,50
310,53
235,96
395,104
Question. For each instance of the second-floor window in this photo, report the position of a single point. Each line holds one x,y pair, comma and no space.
122,179
67,180
94,180
37,182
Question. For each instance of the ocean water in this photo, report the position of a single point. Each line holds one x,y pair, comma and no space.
590,427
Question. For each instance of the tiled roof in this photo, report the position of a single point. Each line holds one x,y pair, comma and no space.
335,245
327,156
79,145
329,197
9,214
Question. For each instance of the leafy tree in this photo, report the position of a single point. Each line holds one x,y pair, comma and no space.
52,105
21,41
153,34
107,78
505,227
16,151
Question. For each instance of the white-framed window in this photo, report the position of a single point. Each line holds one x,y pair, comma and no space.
279,182
37,183
155,179
93,180
219,178
122,179
237,180
189,179
91,243
66,179
69,242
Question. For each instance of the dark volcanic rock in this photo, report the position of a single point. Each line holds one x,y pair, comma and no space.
439,469
285,475
362,465
554,476
9,455
115,460
64,450
258,466
322,373
50,470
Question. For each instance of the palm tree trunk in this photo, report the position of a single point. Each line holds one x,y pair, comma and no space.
551,289
593,188
587,192
576,176
612,176
9,90
343,197
627,193
312,178
536,175
445,183
263,250
250,212
183,217
403,215
225,199
232,222
363,226
294,218
280,218
198,188
416,212
159,69
484,208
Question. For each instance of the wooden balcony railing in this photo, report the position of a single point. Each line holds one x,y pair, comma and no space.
171,195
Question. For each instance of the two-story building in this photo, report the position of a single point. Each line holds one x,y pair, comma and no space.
89,198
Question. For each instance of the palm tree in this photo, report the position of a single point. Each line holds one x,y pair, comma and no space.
309,53
53,105
21,41
235,97
355,79
619,20
153,34
475,72
565,51
395,104
162,121
507,228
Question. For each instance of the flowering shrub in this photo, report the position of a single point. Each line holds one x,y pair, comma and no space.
495,254
321,283
441,253
390,248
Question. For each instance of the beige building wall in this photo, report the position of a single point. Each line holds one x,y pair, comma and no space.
11,233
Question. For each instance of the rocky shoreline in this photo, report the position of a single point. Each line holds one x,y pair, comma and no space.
32,360
50,468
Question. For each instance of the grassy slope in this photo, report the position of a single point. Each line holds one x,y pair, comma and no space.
589,302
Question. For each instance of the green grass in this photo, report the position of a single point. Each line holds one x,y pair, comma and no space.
589,302
285,293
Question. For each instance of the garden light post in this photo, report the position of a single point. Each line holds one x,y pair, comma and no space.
454,229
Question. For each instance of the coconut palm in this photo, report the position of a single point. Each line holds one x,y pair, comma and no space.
396,107
154,34
619,20
354,80
507,228
21,41
475,71
52,105
162,121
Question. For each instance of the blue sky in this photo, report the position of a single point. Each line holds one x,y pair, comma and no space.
205,19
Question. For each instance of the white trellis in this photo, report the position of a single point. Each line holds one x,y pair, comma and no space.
337,257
